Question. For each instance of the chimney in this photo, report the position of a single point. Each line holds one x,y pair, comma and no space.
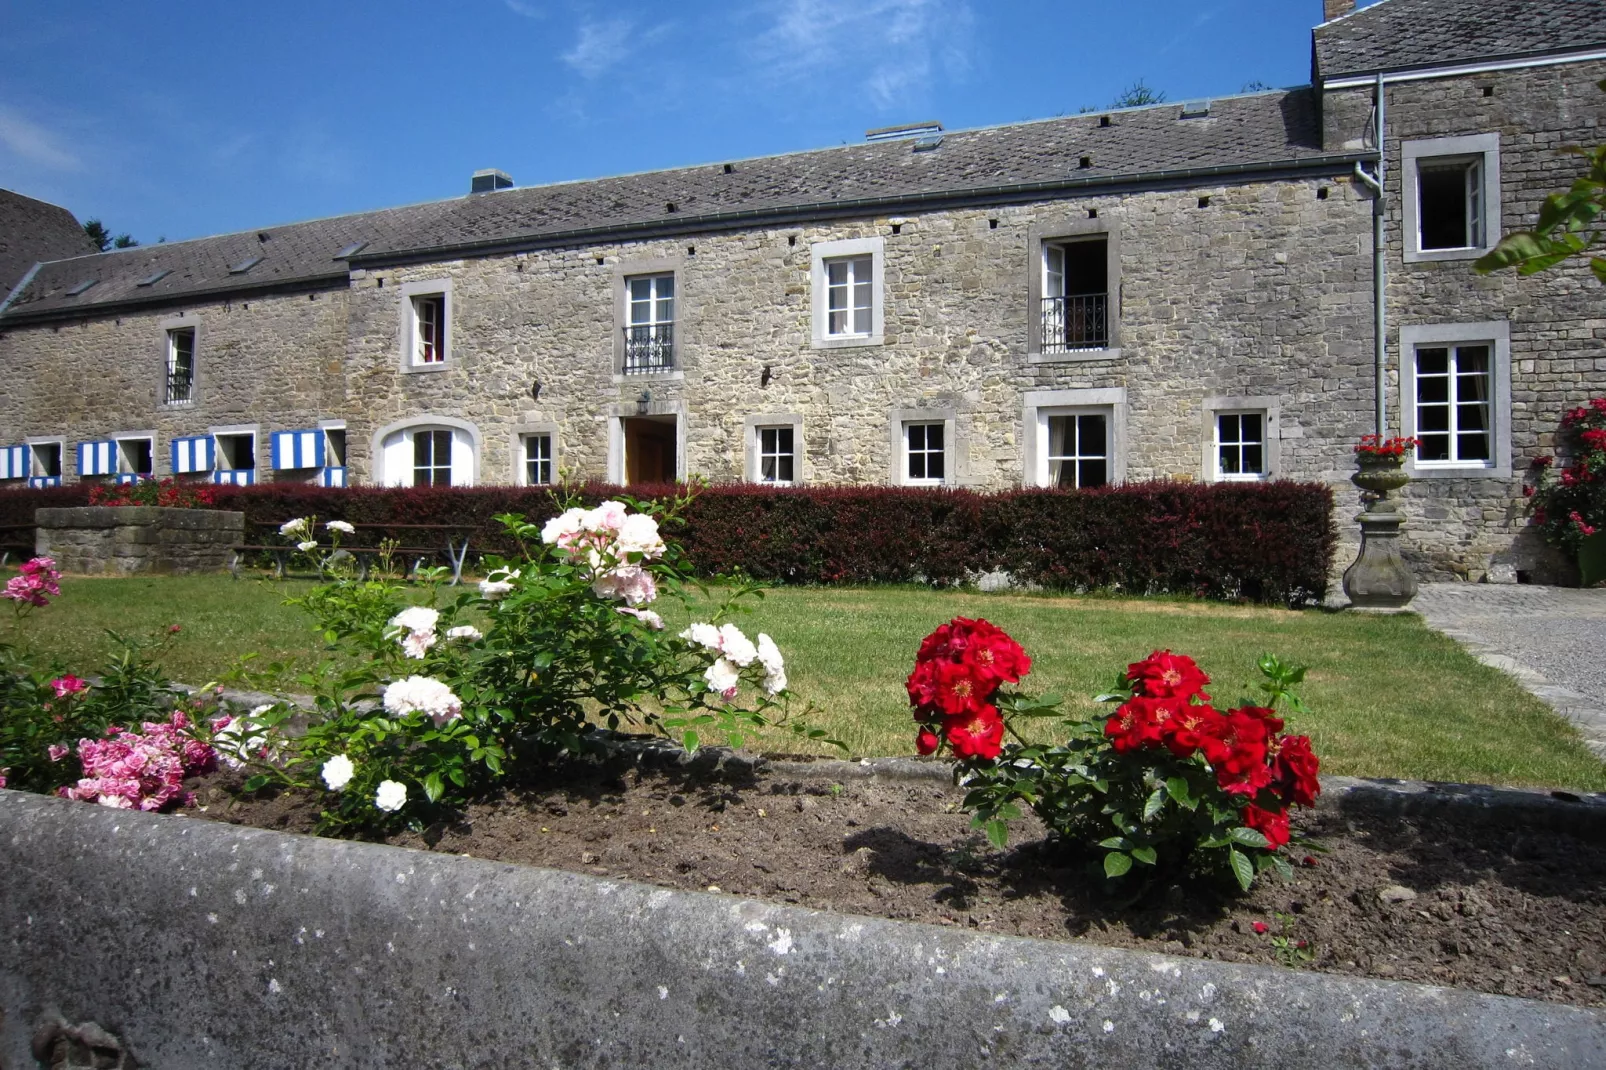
1332,9
491,180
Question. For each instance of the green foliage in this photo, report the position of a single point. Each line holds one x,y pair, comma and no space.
1568,225
1138,95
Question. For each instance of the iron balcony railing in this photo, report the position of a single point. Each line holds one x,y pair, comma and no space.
649,347
1075,321
180,385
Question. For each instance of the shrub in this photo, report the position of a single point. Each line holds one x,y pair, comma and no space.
1167,783
1265,542
1572,506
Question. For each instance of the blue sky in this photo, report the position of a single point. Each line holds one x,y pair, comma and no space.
179,119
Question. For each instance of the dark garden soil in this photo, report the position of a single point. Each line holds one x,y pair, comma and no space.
1506,908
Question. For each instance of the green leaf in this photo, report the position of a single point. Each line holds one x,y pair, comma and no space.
256,783
1154,804
1116,864
997,833
1146,855
1242,868
1177,788
1248,837
433,788
689,741
1114,843
1284,870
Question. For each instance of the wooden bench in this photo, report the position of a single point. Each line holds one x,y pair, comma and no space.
455,551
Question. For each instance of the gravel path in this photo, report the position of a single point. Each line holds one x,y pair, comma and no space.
1552,639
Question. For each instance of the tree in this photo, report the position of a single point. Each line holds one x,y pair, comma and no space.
103,238
1569,225
1137,95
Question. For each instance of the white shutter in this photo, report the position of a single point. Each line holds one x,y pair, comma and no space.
396,467
462,459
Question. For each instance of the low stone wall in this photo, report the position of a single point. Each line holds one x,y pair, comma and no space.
192,944
107,540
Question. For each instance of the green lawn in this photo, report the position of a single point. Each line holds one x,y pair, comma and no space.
1390,698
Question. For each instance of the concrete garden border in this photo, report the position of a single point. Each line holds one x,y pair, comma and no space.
196,944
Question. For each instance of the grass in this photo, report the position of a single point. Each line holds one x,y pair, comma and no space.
1389,697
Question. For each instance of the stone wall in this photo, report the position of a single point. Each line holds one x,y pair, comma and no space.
101,540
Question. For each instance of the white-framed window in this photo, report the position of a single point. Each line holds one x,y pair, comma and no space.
1240,448
136,456
777,454
1078,443
1452,197
538,468
45,462
235,456
431,451
179,387
925,453
426,324
1074,438
847,287
650,323
1457,398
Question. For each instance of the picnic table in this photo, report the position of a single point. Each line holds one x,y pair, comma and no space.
454,547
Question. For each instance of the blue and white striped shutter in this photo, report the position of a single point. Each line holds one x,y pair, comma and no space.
97,458
192,454
333,477
237,477
38,482
13,462
124,478
297,449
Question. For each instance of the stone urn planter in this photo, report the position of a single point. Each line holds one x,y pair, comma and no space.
1592,559
1380,580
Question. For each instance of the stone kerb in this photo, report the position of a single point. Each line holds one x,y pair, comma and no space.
118,540
199,945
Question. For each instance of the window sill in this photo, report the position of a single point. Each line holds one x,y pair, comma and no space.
1427,256
856,341
425,369
1074,356
1459,471
1261,478
673,376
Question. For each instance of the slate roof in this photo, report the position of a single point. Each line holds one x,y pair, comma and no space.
31,231
1242,133
1401,34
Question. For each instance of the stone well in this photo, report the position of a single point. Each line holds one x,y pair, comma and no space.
119,540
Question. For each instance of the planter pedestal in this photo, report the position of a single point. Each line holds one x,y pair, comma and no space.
1380,581
120,540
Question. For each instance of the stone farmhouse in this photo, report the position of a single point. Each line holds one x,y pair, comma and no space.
1190,290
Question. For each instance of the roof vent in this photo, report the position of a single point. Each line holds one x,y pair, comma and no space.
245,265
489,181
894,133
928,143
155,277
349,251
81,287
1196,109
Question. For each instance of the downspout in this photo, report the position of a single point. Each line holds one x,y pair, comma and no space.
1379,274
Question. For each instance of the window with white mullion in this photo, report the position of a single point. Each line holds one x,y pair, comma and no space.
537,460
1078,449
1240,445
1453,393
777,456
432,459
429,319
923,450
652,300
849,296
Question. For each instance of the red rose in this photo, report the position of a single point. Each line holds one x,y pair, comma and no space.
927,742
1274,723
1543,462
1166,675
1293,771
1133,726
1186,730
1272,824
922,685
1236,749
994,657
1260,927
958,692
976,735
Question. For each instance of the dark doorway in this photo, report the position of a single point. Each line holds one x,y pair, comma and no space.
649,449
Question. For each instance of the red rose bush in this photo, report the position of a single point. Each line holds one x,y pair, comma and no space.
1167,781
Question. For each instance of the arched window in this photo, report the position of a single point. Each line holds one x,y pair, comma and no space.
429,454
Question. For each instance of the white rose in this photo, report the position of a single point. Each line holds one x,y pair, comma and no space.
646,616
291,529
338,771
423,695
391,796
704,635
341,526
307,547
416,619
464,631
493,589
775,682
639,535
722,677
737,646
769,655
562,530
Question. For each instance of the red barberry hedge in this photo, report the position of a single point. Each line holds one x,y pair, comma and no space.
1265,542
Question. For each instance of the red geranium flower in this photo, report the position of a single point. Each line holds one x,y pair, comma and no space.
1294,767
1272,824
1166,675
976,735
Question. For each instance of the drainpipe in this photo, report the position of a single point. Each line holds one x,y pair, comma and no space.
1379,275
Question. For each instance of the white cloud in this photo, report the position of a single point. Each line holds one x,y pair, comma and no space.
600,45
31,142
896,48
529,11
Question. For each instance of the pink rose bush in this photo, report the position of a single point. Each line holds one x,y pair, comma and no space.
142,770
36,583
